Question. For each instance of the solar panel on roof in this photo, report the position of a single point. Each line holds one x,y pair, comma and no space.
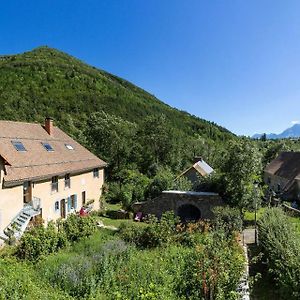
19,146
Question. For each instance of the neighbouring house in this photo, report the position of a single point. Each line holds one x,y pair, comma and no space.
199,168
188,205
282,175
43,172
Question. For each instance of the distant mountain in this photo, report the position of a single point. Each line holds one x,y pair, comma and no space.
292,132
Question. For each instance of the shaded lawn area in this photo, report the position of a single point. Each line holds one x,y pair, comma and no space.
249,216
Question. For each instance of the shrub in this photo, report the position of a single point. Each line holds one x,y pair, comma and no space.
40,241
76,227
213,269
157,233
227,218
280,244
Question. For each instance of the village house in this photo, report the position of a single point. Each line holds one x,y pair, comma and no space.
282,175
44,172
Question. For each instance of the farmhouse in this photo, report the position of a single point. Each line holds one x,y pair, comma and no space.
43,172
282,175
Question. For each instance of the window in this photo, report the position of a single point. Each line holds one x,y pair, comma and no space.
56,206
54,184
83,198
72,203
69,147
67,181
96,173
19,146
48,147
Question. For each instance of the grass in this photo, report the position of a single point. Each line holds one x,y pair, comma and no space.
296,222
107,221
113,206
250,215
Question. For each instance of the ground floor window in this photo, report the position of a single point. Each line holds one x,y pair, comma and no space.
72,203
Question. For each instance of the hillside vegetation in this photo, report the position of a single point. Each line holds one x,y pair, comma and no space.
49,82
121,123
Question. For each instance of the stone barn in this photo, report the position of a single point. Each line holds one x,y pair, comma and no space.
189,206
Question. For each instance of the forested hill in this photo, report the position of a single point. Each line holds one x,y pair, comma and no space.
118,121
46,81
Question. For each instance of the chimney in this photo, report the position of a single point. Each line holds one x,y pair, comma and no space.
197,158
49,125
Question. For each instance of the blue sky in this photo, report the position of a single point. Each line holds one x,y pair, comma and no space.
236,63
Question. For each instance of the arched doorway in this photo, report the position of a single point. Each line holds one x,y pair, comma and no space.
188,212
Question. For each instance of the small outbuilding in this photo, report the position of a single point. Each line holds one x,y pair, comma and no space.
199,168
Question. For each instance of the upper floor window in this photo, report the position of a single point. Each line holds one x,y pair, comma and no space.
54,184
19,146
69,147
67,181
96,173
48,147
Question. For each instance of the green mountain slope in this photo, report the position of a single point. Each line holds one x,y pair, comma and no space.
48,82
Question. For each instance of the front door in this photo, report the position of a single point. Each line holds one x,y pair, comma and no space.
63,208
27,192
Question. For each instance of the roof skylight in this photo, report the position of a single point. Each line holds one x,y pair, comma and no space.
69,147
19,146
48,147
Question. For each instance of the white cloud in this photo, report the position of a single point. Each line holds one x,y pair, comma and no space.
295,122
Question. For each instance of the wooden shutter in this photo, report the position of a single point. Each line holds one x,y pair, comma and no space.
69,204
75,201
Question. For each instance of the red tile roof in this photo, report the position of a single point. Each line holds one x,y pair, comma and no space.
38,163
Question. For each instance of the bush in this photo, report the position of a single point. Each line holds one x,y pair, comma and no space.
76,227
40,241
281,243
227,218
213,269
157,233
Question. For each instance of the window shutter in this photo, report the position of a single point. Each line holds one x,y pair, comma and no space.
75,201
69,204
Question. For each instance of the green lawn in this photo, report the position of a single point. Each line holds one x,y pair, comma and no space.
296,221
111,206
250,215
116,222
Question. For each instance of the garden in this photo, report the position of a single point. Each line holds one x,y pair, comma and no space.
163,259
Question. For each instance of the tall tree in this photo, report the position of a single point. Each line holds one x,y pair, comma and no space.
111,138
242,172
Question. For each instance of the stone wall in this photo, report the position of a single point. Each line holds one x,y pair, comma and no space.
173,200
